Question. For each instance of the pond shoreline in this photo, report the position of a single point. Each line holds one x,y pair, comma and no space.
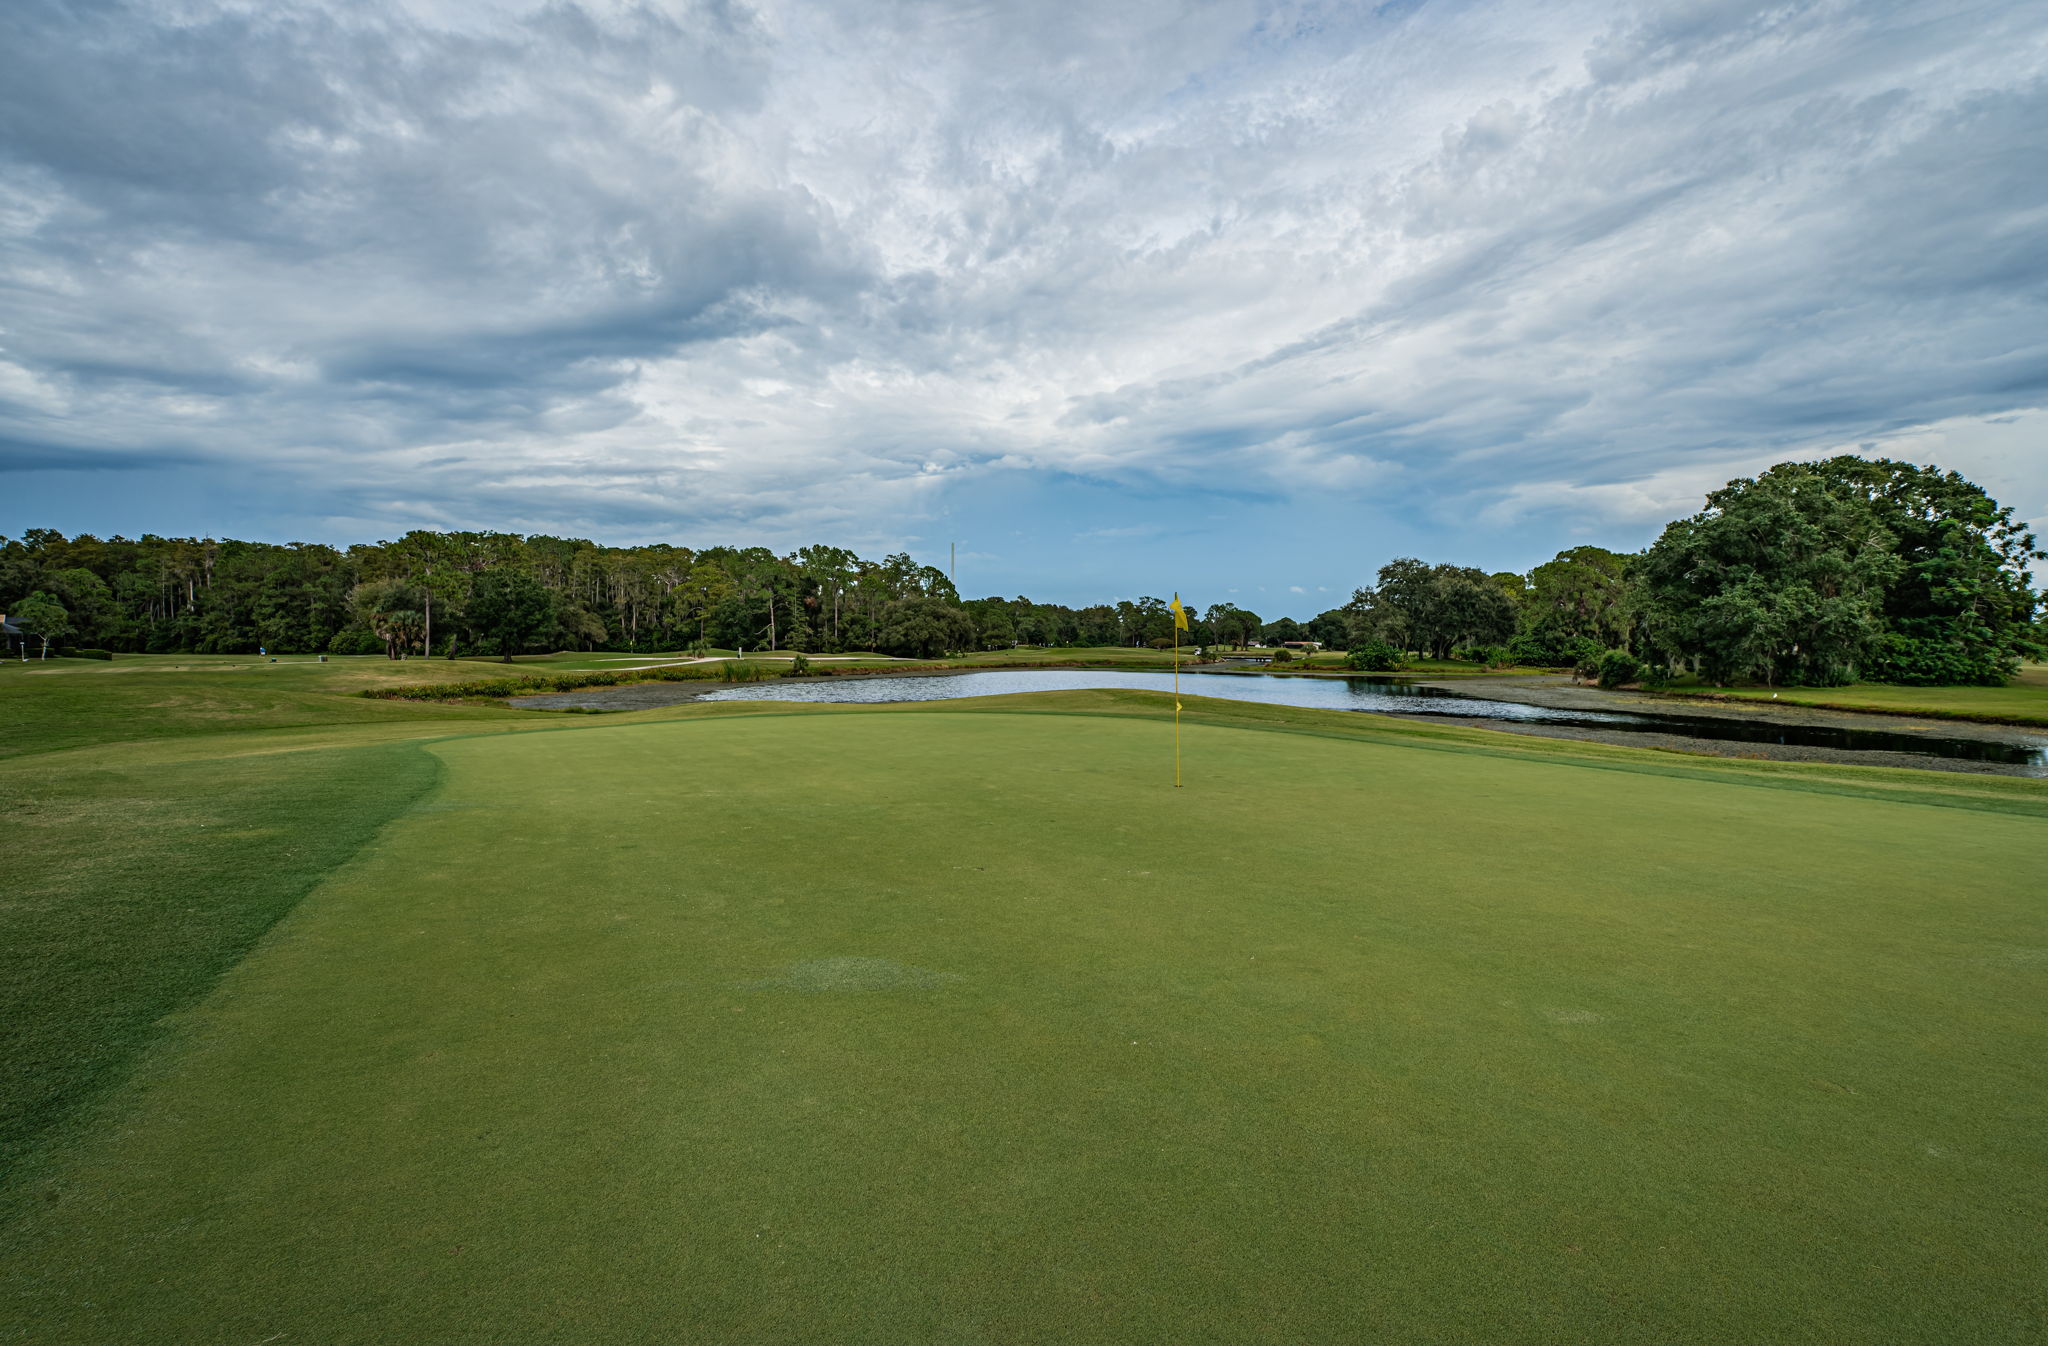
1655,722
1559,692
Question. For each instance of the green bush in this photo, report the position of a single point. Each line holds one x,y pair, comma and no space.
540,684
1283,655
1618,668
798,667
1941,663
1374,656
1554,651
739,670
355,641
458,691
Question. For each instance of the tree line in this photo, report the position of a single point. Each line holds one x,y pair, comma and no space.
449,594
1809,573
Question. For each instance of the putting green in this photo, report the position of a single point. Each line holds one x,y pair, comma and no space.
936,1025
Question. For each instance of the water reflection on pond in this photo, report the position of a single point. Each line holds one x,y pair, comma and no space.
1392,697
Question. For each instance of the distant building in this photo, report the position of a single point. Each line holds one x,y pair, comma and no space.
1310,645
13,640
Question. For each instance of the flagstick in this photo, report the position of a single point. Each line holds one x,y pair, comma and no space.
1176,701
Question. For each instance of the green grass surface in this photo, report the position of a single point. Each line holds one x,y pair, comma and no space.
931,1023
145,697
134,885
2024,700
612,659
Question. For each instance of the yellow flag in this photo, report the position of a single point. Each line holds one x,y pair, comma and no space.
1180,623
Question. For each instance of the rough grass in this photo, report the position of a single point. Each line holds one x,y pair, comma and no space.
2024,700
1095,655
935,1024
139,698
613,658
530,684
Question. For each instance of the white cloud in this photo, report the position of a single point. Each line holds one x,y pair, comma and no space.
802,270
2002,453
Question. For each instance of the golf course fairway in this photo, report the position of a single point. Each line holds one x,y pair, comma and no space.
959,1024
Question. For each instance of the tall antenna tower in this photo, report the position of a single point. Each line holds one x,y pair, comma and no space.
952,565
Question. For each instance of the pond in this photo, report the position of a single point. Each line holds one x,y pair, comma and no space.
1389,696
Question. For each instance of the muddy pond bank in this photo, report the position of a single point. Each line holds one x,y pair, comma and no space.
1783,733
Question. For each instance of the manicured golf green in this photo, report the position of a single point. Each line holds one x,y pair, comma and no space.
958,1024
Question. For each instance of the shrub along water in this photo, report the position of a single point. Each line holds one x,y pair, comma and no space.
539,684
1373,656
1618,668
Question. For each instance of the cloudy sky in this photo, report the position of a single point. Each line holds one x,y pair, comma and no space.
1123,297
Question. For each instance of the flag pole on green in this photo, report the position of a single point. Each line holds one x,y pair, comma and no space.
1180,624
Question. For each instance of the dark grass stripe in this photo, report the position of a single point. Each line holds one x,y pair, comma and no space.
129,891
